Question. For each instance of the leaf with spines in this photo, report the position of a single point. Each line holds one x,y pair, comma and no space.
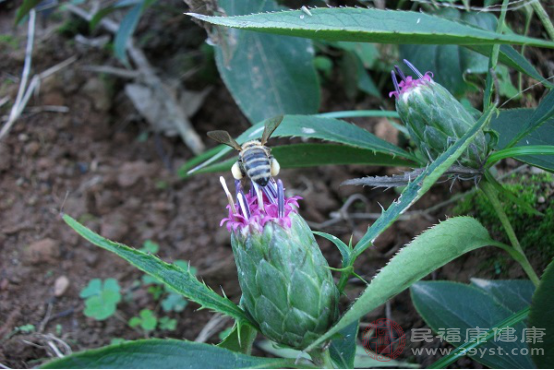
370,25
166,354
177,279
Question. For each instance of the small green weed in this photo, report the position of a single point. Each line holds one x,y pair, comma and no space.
101,298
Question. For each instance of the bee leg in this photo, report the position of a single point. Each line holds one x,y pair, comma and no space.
237,171
275,167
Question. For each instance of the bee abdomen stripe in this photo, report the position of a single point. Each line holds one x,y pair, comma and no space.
257,160
258,170
260,176
254,154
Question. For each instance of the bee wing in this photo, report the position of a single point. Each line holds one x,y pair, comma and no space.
270,126
223,137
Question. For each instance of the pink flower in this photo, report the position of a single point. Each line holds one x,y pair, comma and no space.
248,214
407,83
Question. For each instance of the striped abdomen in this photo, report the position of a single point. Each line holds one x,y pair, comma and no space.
256,164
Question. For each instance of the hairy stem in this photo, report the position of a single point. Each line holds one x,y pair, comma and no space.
493,61
492,195
543,16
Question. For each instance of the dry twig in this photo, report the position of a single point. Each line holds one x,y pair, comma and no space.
153,98
18,107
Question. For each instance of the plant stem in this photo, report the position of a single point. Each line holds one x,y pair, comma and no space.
528,18
493,61
492,195
322,358
543,16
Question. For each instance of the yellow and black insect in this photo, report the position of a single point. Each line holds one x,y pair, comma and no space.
255,159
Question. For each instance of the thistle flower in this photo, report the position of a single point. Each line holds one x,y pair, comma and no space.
286,282
434,118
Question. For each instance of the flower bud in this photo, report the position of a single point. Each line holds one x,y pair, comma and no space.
286,282
434,118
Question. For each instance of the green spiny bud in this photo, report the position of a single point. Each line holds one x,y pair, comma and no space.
434,118
286,282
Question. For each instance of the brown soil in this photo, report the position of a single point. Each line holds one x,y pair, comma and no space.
91,164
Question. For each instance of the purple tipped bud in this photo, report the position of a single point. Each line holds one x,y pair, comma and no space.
434,118
286,283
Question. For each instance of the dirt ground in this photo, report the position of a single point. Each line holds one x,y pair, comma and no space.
98,163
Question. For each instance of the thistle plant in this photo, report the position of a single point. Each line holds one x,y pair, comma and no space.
434,118
286,282
288,292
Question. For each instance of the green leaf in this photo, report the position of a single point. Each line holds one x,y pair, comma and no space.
103,12
176,278
312,155
511,58
164,354
148,320
167,323
355,77
27,328
127,28
472,345
93,288
515,295
542,317
134,322
314,127
253,65
101,307
240,339
343,248
101,298
426,253
174,302
25,8
509,124
541,114
536,150
439,303
368,53
343,346
370,25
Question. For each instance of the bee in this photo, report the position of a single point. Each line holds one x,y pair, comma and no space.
255,159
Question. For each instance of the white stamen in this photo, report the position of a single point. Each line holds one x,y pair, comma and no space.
229,196
259,195
242,203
